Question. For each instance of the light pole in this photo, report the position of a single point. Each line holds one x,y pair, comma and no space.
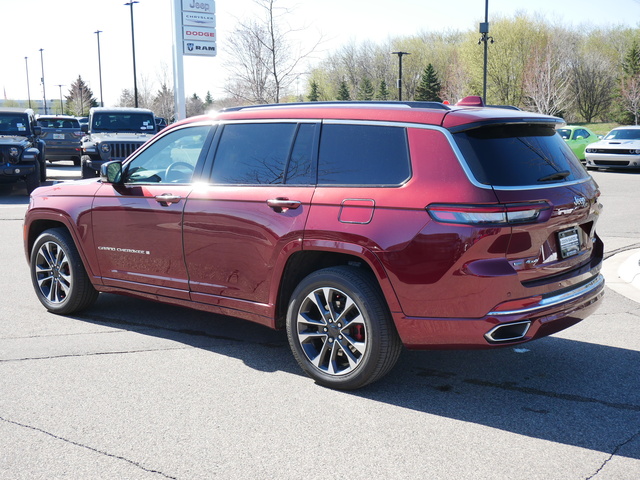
26,64
44,95
485,38
98,32
133,47
61,109
400,54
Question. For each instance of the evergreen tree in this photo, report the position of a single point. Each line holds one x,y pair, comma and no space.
343,92
631,62
80,99
383,91
314,94
429,88
366,91
208,100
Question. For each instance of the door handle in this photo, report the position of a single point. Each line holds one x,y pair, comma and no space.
167,199
280,205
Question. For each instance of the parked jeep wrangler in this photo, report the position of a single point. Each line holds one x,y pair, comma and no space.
22,152
114,134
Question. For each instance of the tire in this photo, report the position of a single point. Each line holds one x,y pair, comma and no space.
86,170
32,181
43,171
58,275
351,343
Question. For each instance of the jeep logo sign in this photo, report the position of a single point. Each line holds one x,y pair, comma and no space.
201,6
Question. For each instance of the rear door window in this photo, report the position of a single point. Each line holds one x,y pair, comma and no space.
265,154
363,155
519,155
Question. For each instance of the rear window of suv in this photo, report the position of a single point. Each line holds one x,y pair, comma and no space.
363,155
519,155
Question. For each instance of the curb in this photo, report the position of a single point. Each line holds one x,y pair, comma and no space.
622,274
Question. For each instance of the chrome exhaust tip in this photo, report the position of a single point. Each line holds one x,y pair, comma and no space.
508,332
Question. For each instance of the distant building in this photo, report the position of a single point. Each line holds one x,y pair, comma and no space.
53,105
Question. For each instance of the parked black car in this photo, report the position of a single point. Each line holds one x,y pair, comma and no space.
62,135
22,151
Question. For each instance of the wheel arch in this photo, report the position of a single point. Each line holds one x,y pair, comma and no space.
34,228
315,257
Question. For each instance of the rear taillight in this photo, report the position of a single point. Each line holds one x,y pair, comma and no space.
500,214
77,134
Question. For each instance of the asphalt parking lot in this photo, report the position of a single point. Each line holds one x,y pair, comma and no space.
138,390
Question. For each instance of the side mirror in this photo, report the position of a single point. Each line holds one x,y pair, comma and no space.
37,130
579,137
111,172
85,128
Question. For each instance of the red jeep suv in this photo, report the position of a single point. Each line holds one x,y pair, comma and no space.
358,227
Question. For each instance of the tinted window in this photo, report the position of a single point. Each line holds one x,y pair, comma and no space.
253,154
123,122
14,124
518,155
170,159
363,155
59,123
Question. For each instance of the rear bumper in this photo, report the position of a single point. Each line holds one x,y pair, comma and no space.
553,314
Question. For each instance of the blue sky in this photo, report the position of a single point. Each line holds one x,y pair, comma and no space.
64,29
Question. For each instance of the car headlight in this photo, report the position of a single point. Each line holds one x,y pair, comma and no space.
105,147
589,150
14,155
634,152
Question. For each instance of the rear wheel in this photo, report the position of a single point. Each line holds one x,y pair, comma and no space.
340,329
58,275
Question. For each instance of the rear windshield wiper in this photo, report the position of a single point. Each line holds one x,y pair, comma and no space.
555,176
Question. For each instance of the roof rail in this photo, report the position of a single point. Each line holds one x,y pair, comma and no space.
436,105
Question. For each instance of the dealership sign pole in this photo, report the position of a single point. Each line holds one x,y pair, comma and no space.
194,33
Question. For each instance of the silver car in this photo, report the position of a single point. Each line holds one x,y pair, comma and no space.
620,148
62,135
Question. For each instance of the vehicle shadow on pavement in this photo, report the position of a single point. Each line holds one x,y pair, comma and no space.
564,391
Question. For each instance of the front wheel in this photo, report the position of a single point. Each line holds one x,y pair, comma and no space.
340,329
58,275
32,181
85,170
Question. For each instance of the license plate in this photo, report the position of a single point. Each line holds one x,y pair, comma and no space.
58,136
569,242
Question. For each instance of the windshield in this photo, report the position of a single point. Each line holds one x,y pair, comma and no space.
123,122
624,134
14,124
519,155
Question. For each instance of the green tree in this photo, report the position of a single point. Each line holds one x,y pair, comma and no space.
208,100
429,88
383,91
343,92
80,99
631,62
366,91
314,94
